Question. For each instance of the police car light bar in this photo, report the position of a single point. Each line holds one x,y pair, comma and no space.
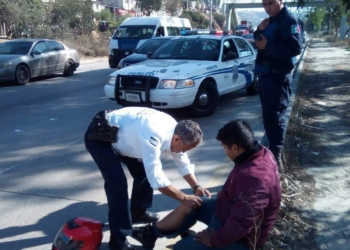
205,32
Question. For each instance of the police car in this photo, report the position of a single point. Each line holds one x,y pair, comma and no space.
189,71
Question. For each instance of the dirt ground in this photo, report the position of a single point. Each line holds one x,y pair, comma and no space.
316,185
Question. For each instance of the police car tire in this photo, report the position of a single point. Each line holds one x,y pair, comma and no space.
209,88
252,89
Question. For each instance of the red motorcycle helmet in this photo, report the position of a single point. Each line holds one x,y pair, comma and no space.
79,234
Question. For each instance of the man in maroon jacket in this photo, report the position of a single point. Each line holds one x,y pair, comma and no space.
244,211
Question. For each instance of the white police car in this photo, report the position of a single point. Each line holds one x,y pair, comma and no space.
190,71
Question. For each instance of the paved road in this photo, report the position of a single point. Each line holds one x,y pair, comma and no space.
46,175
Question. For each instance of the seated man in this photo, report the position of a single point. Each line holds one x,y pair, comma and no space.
244,211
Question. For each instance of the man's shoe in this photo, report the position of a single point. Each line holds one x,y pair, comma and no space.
119,244
145,217
145,236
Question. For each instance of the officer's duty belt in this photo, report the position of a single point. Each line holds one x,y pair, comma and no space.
100,130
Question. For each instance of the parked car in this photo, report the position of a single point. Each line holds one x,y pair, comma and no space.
250,38
23,59
191,71
140,54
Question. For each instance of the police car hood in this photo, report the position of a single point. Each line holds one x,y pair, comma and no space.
168,68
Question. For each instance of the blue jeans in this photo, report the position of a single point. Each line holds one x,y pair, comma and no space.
275,90
206,215
116,186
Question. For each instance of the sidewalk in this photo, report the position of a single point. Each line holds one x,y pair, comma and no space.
324,120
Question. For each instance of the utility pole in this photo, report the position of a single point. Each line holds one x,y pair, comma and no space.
211,15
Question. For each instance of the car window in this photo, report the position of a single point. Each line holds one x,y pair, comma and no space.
54,45
150,46
191,49
135,31
243,47
174,31
228,47
15,48
40,47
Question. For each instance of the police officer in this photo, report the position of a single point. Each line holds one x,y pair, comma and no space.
138,137
278,40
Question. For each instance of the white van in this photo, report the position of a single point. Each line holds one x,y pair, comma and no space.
136,30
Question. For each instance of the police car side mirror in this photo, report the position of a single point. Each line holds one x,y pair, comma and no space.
229,56
149,54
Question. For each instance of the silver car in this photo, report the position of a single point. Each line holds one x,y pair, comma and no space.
23,59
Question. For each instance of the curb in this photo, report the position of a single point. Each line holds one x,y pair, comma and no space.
296,75
92,60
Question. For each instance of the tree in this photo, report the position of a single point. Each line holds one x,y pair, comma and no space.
21,17
68,14
220,19
172,6
316,16
151,5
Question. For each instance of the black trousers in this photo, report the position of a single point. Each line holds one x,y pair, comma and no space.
275,91
116,186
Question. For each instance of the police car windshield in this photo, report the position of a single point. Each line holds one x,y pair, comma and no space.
191,49
151,45
134,32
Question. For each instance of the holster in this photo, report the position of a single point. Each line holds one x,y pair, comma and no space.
100,130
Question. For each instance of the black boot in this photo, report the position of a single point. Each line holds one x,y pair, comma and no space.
144,217
119,243
145,235
278,154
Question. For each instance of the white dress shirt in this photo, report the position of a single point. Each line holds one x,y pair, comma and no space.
146,134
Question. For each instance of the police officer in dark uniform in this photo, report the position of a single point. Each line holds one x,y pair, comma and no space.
278,39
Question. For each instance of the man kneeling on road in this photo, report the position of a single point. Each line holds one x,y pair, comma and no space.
138,137
244,211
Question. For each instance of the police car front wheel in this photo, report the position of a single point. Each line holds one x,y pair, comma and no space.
206,101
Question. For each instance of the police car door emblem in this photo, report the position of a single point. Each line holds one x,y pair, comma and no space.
153,141
235,73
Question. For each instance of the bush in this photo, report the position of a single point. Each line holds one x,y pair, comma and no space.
220,19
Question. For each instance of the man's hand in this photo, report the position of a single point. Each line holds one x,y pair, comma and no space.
261,44
202,192
204,237
264,23
191,201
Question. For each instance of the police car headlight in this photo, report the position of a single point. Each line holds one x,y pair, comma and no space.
175,84
111,80
111,52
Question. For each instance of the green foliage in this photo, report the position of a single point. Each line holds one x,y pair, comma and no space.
21,17
317,16
172,6
347,4
151,5
77,15
197,19
220,19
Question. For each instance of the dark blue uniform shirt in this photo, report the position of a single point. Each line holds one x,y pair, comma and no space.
284,43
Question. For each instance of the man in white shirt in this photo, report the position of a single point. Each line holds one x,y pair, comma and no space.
138,137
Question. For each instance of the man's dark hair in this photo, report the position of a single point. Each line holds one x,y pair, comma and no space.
236,132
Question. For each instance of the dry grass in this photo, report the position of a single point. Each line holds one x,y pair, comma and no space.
292,229
95,44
